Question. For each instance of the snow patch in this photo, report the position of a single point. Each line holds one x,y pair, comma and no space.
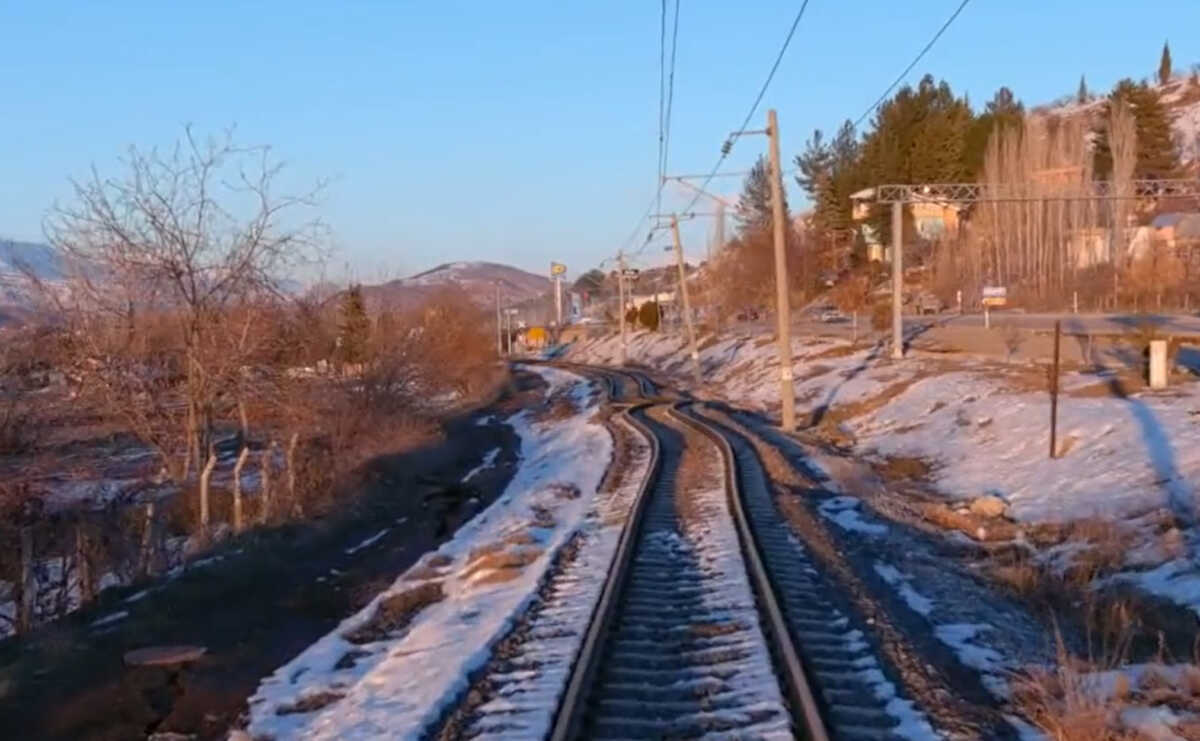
396,686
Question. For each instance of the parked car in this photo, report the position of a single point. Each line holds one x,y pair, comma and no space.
927,303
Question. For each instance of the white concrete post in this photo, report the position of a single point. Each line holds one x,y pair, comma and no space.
1158,364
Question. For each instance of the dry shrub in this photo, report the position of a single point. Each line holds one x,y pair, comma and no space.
881,316
395,611
905,467
1069,702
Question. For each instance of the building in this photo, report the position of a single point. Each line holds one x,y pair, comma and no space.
1177,229
933,219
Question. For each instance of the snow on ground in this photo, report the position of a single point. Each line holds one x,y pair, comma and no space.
489,460
1118,456
1123,458
533,676
399,681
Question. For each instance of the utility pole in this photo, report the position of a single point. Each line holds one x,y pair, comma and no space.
621,298
783,310
558,302
687,304
898,280
499,327
718,231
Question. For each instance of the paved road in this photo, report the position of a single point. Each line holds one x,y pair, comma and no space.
1177,324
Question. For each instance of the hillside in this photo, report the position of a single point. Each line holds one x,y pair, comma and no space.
477,279
1181,96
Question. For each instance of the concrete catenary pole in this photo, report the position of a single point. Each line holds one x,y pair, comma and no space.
783,309
687,304
499,324
897,280
558,302
718,232
621,300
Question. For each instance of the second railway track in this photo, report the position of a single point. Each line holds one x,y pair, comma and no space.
688,640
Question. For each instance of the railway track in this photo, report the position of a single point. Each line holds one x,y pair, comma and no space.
687,639
712,620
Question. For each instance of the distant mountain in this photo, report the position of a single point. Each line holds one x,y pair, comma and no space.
478,279
18,260
41,259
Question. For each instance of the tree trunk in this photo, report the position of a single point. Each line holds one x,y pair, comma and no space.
28,585
264,511
205,476
854,327
83,564
244,419
149,555
291,466
237,489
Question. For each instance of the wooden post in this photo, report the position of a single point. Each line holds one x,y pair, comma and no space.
149,544
237,489
291,466
264,509
28,582
205,477
83,564
1054,392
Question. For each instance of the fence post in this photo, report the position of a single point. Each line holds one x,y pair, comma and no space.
1054,392
148,543
28,582
87,588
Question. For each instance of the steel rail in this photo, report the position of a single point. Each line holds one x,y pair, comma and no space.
570,710
806,717
806,713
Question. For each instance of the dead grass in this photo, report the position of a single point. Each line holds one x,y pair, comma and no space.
395,611
834,352
309,703
905,467
1067,703
557,409
502,567
827,420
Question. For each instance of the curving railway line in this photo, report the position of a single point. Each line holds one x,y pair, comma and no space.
712,621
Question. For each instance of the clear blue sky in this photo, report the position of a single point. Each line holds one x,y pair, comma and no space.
517,132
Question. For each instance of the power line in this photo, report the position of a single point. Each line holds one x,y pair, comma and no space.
754,107
666,149
914,63
662,77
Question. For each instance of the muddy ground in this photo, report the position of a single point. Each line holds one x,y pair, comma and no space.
263,598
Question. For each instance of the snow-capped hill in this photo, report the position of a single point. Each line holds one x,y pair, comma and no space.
18,257
472,273
478,279
1180,96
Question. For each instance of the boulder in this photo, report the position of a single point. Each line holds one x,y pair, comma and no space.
989,506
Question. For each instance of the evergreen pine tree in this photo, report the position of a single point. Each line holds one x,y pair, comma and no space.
1003,110
354,327
1157,154
754,207
1082,96
1164,65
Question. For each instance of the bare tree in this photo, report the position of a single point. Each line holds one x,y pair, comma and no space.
164,264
